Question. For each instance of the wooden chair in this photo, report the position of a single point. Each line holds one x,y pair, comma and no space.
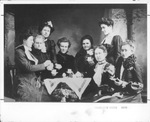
9,87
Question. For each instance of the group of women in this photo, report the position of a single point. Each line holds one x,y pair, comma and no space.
111,65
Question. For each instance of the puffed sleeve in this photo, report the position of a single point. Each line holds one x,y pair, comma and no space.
73,64
117,42
51,50
138,73
136,84
80,62
25,64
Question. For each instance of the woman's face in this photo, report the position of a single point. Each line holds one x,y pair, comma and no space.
64,46
29,41
38,43
99,55
126,51
46,31
106,29
86,44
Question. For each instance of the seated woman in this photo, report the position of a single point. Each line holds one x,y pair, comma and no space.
65,60
68,68
42,57
128,79
111,42
101,73
84,58
26,82
128,75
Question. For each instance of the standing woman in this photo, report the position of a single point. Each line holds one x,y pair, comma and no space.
111,42
84,58
26,82
49,46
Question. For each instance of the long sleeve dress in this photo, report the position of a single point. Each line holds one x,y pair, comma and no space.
100,81
42,57
67,62
113,46
130,72
82,64
26,79
50,49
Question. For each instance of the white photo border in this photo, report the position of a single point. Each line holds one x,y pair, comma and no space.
72,112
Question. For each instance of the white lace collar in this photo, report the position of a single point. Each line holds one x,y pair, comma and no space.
27,48
29,54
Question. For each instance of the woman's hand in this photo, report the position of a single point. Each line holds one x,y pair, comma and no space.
58,66
118,82
90,52
47,62
69,71
124,84
110,69
90,60
50,67
100,92
43,48
64,75
118,94
78,75
136,86
54,72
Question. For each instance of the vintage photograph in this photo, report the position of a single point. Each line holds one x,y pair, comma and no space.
76,53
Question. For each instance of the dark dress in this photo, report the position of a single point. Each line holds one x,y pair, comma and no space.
50,49
42,57
81,62
107,86
26,79
67,62
131,73
114,50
